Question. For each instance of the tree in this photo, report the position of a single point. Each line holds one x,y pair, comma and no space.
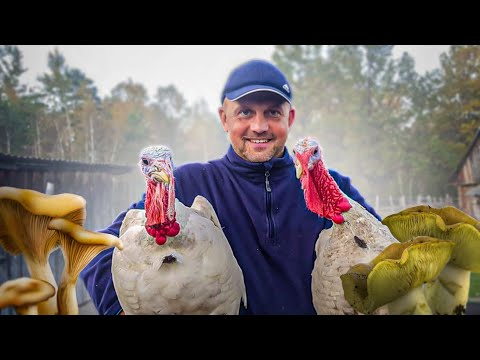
357,100
202,136
129,121
17,109
61,90
168,112
451,116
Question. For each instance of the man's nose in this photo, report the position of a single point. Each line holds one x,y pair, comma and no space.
259,124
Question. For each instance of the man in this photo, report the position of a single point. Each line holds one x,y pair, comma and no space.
256,196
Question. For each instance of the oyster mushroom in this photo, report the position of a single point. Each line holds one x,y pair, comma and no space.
449,293
25,294
24,216
395,277
79,247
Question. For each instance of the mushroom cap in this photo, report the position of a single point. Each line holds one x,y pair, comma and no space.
24,215
79,245
398,269
450,214
466,253
24,218
25,291
83,236
409,223
38,203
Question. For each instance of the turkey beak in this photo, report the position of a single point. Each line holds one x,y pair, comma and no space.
160,176
298,168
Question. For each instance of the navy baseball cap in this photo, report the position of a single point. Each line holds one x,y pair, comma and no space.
253,76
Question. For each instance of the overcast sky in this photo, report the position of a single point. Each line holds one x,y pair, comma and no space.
196,70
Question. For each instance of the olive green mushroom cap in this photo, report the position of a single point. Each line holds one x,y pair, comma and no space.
466,253
407,225
440,223
450,214
394,272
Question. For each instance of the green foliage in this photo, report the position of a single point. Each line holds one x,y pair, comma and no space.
129,121
18,110
168,112
474,286
65,91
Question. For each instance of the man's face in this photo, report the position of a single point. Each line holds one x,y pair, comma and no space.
258,125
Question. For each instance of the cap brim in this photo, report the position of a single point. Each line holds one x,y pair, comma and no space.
239,93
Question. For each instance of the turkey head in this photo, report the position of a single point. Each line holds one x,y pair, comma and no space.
157,166
322,195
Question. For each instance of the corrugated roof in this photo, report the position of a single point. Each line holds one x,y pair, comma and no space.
13,162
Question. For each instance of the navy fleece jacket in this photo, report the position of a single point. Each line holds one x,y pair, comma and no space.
263,213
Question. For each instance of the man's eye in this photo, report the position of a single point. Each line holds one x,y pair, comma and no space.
245,113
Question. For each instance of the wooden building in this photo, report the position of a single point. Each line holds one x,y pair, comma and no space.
467,179
108,190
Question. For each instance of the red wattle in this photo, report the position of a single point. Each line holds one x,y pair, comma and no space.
337,219
322,194
344,205
151,231
173,230
160,239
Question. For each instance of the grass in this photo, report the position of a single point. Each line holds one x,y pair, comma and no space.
475,285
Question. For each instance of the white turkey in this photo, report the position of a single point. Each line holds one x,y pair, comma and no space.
357,237
176,259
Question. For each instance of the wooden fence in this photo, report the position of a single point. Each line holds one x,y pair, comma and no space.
386,205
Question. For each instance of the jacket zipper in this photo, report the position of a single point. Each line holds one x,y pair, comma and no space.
271,227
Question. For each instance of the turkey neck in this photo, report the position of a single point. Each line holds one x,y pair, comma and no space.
160,211
155,203
322,194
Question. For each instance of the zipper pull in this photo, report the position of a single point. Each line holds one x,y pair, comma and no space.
267,183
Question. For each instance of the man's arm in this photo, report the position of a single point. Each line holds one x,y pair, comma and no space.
97,275
346,186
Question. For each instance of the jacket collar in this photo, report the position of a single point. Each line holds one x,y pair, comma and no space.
276,166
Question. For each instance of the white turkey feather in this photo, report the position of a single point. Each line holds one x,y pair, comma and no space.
194,272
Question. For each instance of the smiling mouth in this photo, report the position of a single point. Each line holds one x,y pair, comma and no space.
259,141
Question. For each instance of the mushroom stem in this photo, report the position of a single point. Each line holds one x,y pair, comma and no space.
79,247
42,271
27,310
413,302
67,296
448,295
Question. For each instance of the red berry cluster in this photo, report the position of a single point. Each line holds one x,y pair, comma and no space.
161,231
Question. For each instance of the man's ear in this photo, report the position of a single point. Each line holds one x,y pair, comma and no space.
291,117
223,118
